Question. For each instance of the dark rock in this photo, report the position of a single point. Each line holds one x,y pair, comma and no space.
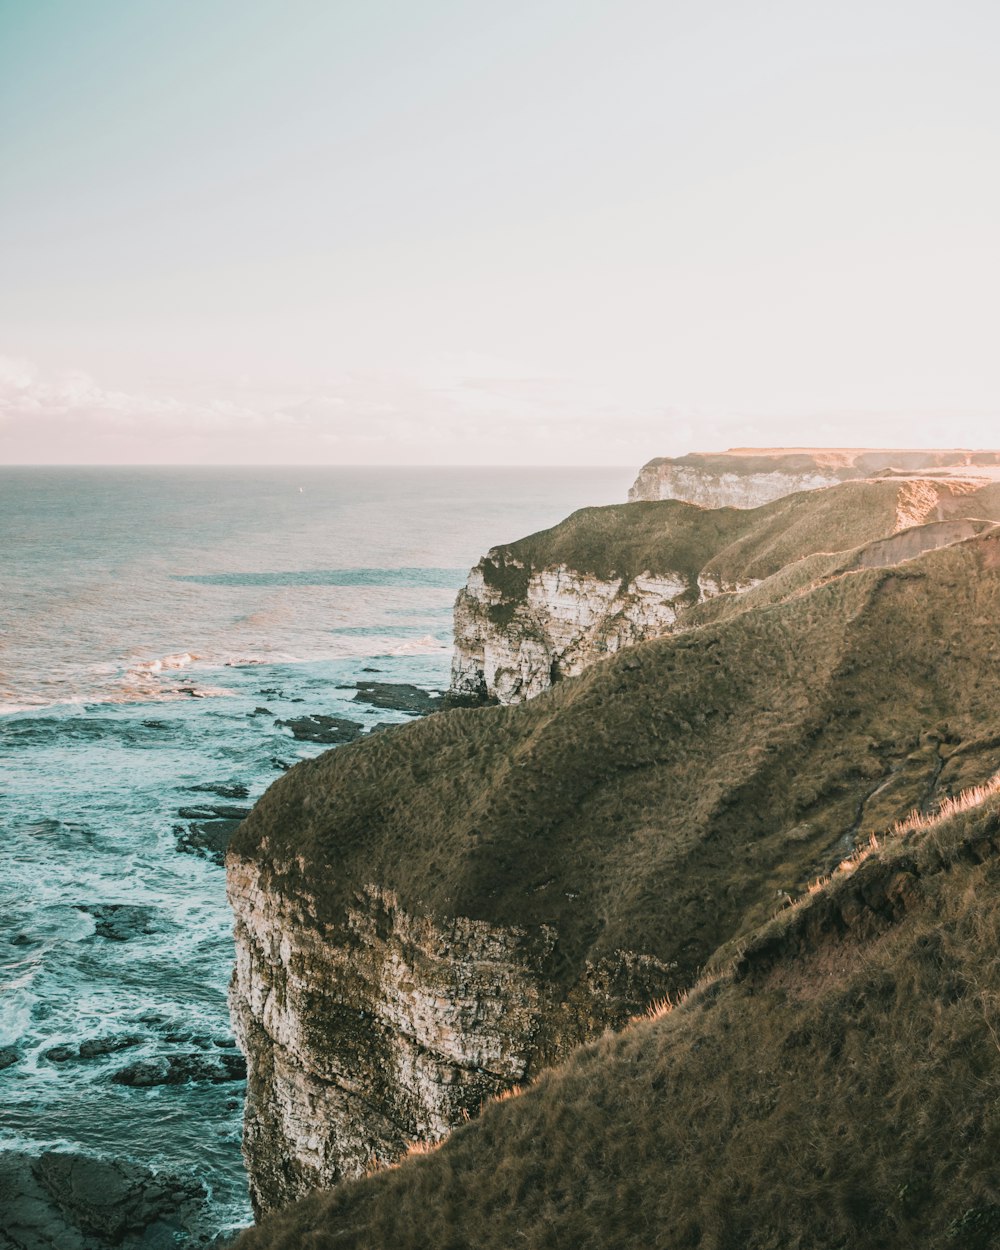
283,765
180,1069
119,922
61,1054
260,711
208,838
68,1201
225,790
9,1055
95,1047
327,729
466,699
213,811
144,1072
398,696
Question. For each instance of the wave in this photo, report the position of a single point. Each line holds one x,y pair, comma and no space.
428,645
166,663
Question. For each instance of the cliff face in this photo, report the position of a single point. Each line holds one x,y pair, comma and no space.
746,477
435,914
545,608
391,1027
563,621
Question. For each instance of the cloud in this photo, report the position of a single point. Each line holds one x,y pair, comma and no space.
27,395
456,409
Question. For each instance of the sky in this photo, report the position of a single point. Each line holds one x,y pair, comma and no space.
529,232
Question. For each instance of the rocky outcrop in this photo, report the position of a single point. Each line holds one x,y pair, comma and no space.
384,1031
565,620
746,477
545,608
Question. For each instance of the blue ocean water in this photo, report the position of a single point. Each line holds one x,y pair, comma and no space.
156,627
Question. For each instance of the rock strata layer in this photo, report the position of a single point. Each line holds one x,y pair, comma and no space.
385,1030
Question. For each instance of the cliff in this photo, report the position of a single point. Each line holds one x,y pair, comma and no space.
548,606
746,477
832,1086
429,917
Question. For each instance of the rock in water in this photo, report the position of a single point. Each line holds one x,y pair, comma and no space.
213,824
398,696
120,922
326,729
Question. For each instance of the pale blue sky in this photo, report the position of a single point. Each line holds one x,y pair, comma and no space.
548,232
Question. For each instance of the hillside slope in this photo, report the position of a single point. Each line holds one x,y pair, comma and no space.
546,607
432,915
836,1088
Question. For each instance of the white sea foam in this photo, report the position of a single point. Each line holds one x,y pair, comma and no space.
181,659
428,645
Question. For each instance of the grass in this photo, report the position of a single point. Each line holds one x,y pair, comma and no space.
836,1086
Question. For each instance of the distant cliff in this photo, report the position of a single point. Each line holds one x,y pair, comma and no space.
433,915
546,607
746,477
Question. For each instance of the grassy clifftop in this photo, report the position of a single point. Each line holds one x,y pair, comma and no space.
837,1086
734,545
667,799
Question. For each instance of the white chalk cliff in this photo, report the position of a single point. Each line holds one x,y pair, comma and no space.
746,477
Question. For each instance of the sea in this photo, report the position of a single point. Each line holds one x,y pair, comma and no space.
157,627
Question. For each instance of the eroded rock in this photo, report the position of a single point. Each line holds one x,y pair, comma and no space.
326,729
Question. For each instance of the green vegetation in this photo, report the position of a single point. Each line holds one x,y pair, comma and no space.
620,540
837,1087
